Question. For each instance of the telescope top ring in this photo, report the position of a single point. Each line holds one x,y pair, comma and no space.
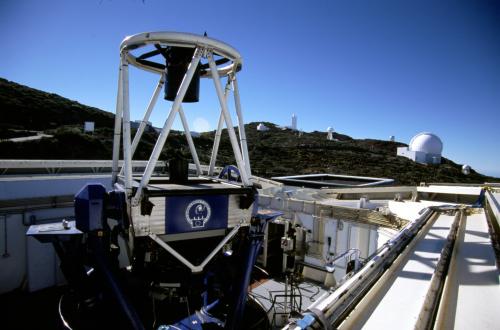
180,39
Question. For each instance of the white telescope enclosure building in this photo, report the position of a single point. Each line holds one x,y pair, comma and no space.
425,148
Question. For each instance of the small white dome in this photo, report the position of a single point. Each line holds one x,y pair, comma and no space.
262,128
466,169
426,142
329,129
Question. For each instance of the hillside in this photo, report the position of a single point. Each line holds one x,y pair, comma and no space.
278,152
23,107
272,153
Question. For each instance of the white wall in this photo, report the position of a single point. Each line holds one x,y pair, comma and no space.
30,264
42,262
13,266
418,156
345,235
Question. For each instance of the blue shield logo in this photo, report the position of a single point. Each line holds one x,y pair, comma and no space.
198,213
185,214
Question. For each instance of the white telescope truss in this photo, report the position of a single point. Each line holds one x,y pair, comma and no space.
204,48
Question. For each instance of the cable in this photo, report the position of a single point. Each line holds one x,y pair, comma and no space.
187,304
314,295
297,286
65,323
154,311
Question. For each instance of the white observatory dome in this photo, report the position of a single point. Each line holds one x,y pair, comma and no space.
426,142
262,128
466,169
329,129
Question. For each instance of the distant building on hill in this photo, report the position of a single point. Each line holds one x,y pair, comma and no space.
329,133
294,122
88,127
293,127
136,123
262,128
425,148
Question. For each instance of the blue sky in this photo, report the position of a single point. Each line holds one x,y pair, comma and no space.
369,69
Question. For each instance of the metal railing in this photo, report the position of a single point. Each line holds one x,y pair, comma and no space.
55,166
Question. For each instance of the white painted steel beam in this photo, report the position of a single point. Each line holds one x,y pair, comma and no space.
493,202
118,126
190,142
167,126
218,133
453,190
471,295
54,165
397,303
182,40
229,122
196,268
147,114
241,127
127,155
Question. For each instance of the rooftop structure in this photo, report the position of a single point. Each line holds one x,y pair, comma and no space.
331,180
358,250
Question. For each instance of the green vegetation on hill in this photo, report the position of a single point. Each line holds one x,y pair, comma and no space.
23,107
284,152
276,152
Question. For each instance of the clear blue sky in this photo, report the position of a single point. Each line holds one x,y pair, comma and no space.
369,69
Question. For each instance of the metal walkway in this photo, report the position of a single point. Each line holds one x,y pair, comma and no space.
471,296
447,278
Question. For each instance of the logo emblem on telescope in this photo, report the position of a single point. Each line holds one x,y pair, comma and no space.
198,213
